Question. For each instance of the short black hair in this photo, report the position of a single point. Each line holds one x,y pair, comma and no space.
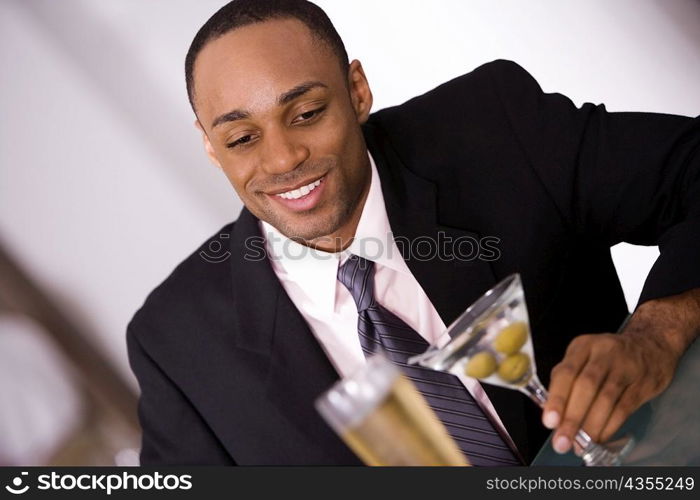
239,13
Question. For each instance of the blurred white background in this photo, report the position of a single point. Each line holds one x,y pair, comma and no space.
104,186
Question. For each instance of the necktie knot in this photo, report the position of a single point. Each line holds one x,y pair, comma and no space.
357,274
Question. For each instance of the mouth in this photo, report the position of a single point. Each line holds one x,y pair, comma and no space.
302,197
296,192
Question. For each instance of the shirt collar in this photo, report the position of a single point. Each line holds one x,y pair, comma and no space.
315,271
374,239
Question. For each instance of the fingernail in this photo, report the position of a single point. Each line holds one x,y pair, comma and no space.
561,444
550,419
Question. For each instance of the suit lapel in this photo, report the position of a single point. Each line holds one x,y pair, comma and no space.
268,323
411,203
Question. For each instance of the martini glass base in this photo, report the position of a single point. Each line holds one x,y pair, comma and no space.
592,454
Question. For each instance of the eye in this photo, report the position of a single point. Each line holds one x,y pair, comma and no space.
242,141
309,115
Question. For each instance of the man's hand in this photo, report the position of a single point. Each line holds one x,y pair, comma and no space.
604,378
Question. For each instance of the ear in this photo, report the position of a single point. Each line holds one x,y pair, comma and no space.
207,145
360,93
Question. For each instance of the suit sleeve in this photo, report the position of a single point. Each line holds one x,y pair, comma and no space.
614,177
173,432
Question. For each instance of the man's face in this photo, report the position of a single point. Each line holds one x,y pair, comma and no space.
282,120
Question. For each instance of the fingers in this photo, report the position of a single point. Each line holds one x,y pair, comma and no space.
601,416
585,389
629,402
601,381
603,406
583,398
563,376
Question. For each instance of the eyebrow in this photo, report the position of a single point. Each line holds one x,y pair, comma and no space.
284,98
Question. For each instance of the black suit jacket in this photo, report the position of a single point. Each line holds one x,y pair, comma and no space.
227,366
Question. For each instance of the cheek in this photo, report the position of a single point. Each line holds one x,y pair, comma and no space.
239,177
336,139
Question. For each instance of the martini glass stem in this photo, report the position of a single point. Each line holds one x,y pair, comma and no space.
592,452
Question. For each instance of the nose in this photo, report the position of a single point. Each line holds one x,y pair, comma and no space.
282,152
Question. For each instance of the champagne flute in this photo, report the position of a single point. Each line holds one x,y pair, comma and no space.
383,418
491,342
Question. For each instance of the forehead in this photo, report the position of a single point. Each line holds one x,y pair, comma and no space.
249,67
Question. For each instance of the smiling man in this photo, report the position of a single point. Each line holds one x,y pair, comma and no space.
230,355
287,133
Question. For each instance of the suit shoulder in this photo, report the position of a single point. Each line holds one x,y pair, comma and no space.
201,276
490,73
477,87
465,116
498,75
504,68
473,99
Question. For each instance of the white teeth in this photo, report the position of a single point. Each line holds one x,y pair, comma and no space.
298,193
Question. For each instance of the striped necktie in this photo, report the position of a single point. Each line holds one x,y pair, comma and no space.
378,328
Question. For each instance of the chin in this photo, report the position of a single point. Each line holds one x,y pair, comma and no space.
307,233
316,227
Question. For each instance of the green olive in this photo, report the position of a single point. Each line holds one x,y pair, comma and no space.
514,367
511,338
481,365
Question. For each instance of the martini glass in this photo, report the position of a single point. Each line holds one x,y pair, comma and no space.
491,342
